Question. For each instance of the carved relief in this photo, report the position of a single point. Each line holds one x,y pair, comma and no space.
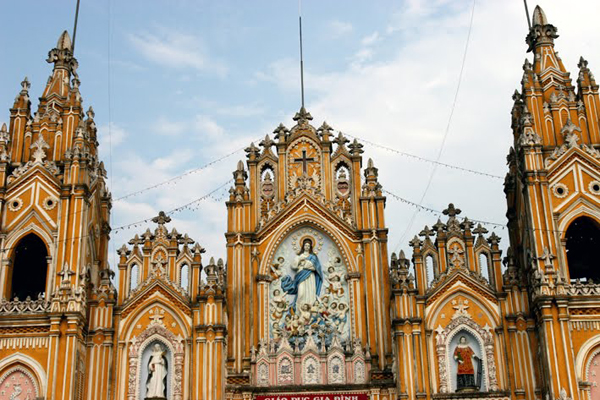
18,383
311,371
156,332
308,295
285,371
304,165
463,322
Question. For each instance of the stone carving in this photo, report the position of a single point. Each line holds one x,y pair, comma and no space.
285,371
29,306
486,339
308,295
311,371
137,346
18,384
335,370
156,387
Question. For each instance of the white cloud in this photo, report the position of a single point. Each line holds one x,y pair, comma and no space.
176,50
164,126
370,39
110,137
339,28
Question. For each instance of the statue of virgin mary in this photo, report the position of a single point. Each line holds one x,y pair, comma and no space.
156,386
307,283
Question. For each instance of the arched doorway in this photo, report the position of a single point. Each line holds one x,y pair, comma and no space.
583,241
30,268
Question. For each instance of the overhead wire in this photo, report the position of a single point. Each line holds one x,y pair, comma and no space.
427,160
439,155
186,206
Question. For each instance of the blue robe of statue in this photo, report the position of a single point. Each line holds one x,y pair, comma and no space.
290,286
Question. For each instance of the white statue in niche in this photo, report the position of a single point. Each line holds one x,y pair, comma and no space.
156,387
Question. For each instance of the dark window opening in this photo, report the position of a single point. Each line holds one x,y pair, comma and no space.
583,242
30,268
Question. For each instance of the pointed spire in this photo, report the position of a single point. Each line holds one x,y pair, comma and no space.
542,32
62,55
64,41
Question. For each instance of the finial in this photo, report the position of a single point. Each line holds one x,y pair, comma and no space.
539,16
281,133
451,211
240,165
90,113
541,32
370,163
64,42
161,218
302,115
266,143
25,85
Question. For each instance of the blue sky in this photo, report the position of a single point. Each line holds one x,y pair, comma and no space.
191,81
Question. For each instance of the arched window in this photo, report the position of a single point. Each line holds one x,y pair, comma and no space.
30,268
430,269
184,276
583,242
484,268
133,277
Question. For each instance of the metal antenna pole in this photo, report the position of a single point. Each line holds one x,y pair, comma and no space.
75,26
301,56
527,12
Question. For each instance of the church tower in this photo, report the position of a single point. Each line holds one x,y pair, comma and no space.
307,277
54,213
553,195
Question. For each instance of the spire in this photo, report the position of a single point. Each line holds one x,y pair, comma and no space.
62,55
65,65
542,32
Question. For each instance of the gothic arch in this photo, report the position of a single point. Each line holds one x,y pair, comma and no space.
298,222
137,345
132,320
588,350
581,241
18,359
486,342
29,273
432,317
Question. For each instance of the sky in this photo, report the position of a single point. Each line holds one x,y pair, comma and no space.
179,84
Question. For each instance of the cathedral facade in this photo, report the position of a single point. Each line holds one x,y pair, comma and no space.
309,304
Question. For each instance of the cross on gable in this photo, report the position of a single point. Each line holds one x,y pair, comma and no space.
161,218
451,211
304,160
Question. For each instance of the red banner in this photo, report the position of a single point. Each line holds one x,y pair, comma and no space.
314,396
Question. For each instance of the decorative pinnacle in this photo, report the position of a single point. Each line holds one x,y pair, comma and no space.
64,42
266,143
281,132
25,85
161,218
542,32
